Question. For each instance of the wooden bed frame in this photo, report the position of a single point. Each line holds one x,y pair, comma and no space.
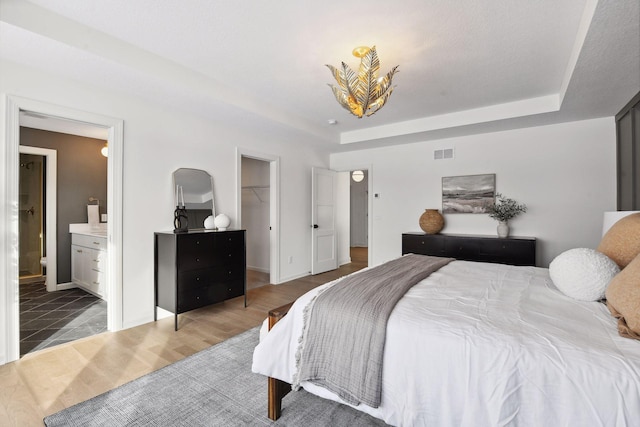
277,389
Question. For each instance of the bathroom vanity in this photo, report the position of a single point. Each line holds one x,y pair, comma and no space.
89,259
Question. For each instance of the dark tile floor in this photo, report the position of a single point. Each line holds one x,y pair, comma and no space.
52,318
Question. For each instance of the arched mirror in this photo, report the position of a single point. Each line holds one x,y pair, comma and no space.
193,190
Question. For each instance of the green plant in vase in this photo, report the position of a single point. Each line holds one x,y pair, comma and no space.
502,210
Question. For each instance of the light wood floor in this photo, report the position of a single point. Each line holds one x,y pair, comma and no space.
50,380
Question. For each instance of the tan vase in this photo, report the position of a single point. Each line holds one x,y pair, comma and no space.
431,221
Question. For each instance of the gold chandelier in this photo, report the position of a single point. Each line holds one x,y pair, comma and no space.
362,93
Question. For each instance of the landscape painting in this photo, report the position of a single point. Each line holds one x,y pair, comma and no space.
468,194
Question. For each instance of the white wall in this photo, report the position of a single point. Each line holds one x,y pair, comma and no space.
565,173
158,140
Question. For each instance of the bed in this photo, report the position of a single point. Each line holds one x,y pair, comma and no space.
480,344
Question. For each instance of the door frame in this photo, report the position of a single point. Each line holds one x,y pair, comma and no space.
51,224
274,205
9,230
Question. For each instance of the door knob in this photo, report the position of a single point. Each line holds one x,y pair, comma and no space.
315,226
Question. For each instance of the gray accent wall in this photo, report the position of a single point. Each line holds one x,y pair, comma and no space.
628,155
82,173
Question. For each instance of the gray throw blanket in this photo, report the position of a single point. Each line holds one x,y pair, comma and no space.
342,344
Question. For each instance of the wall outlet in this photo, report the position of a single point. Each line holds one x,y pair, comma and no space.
103,218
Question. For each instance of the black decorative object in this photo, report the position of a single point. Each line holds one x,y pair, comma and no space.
180,220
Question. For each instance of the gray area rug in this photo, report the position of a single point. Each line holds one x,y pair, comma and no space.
214,387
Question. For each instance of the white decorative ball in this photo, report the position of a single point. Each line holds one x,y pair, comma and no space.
583,273
222,222
209,223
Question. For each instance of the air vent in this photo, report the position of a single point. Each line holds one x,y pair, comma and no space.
446,153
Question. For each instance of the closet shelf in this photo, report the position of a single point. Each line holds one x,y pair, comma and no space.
255,188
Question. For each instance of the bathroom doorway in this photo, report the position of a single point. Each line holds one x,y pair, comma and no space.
67,308
18,110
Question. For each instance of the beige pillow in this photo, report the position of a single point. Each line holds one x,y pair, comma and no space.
623,299
622,241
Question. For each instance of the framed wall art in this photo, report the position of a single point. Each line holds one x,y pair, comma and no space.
468,193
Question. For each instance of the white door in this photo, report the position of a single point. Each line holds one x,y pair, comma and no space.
323,221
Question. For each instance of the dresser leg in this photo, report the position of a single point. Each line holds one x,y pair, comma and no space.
175,321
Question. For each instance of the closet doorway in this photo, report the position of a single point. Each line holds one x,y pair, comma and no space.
258,214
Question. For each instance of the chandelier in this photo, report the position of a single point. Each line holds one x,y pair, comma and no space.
362,93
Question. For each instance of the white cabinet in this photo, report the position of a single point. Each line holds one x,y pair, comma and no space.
89,263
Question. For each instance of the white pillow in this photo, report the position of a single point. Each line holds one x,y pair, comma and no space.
583,273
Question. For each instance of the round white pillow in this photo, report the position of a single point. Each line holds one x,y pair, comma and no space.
583,273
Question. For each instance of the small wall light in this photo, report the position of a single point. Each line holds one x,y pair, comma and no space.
357,176
105,150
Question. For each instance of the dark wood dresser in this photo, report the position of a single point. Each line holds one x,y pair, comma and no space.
510,250
198,268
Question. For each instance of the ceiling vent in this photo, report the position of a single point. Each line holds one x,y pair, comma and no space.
446,153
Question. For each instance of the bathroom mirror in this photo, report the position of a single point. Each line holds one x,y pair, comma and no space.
193,189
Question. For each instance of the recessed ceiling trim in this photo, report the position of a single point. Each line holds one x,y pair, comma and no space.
59,28
583,29
509,110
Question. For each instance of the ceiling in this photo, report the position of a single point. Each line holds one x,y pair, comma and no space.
465,66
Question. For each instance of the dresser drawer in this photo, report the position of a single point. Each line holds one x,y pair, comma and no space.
192,279
423,245
200,297
231,241
513,252
195,251
235,288
463,249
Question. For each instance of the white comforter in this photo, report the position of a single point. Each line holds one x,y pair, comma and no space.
478,344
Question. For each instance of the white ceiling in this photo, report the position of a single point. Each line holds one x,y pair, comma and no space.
465,66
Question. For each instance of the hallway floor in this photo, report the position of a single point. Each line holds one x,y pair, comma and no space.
52,318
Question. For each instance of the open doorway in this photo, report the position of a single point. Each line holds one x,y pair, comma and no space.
258,183
72,302
32,214
359,216
255,219
16,108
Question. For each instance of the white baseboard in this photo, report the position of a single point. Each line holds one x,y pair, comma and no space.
344,261
258,269
294,277
142,320
65,286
